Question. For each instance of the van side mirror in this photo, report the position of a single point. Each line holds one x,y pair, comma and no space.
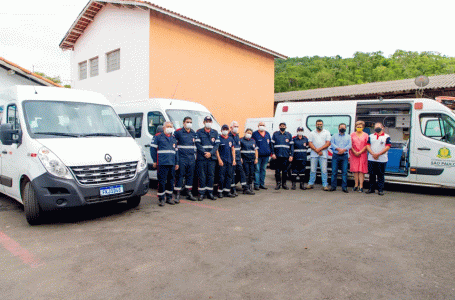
131,131
9,136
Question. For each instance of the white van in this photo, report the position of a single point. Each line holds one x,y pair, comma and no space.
422,133
146,115
66,148
253,123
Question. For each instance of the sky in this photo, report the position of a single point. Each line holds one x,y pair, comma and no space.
31,30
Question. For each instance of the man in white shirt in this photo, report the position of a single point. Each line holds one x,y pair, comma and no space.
319,141
378,145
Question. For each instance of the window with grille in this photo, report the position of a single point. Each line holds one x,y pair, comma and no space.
83,70
94,67
113,60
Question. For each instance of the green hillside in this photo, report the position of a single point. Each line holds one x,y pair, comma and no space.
304,73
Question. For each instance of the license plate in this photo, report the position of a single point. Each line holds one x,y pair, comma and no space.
111,190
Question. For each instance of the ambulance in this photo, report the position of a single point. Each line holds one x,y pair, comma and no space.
422,132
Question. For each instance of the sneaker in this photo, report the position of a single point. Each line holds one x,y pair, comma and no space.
331,189
360,190
309,187
381,193
326,188
345,190
262,187
369,192
256,188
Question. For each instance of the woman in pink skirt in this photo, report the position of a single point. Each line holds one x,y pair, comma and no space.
358,158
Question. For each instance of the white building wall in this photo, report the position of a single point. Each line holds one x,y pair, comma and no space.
115,28
10,80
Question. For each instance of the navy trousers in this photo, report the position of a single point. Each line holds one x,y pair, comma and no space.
206,173
166,175
298,170
376,170
226,172
185,175
239,175
281,170
249,169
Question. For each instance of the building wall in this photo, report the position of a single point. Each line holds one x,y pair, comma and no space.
10,80
115,28
232,81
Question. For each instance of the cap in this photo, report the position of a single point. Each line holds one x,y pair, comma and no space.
224,127
282,123
208,118
300,128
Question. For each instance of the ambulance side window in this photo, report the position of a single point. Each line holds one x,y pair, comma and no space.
134,120
12,116
440,127
330,123
154,119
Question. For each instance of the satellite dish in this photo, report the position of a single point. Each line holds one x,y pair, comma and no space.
422,81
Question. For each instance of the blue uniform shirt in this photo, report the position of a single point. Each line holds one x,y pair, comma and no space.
225,149
263,143
207,142
342,141
164,150
248,149
186,143
300,148
236,139
282,144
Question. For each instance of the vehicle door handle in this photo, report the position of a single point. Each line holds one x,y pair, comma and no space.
147,146
424,149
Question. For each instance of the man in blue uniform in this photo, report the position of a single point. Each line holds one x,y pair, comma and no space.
299,159
186,144
262,138
226,161
282,147
207,142
238,172
249,152
165,157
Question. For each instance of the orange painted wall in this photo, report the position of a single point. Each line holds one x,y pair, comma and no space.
232,81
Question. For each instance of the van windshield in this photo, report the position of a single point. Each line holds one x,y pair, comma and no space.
46,119
177,115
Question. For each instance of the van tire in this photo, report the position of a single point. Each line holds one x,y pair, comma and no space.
133,201
32,209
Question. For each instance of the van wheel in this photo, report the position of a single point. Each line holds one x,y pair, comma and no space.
31,206
133,201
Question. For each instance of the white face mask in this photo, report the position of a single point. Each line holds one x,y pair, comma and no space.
208,125
169,130
300,133
188,125
248,135
261,128
235,129
224,132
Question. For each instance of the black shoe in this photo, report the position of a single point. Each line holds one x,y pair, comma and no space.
294,186
256,188
302,186
285,187
370,191
345,190
220,195
381,193
360,190
200,198
248,192
234,192
161,202
170,201
177,197
355,189
332,189
211,197
190,197
278,186
263,187
230,195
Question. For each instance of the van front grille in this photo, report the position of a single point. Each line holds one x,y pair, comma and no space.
102,174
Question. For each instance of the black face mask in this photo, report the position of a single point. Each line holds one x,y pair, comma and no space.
342,130
282,129
378,129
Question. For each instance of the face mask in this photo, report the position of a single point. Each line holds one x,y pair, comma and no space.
248,135
188,125
319,127
261,128
235,129
378,129
282,129
342,130
224,132
169,130
300,133
359,129
208,125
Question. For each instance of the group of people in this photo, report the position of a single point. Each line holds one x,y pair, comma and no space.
227,159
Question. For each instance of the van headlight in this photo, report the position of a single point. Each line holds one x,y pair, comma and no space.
142,164
53,164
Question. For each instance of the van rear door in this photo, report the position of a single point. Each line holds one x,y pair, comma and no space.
434,148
